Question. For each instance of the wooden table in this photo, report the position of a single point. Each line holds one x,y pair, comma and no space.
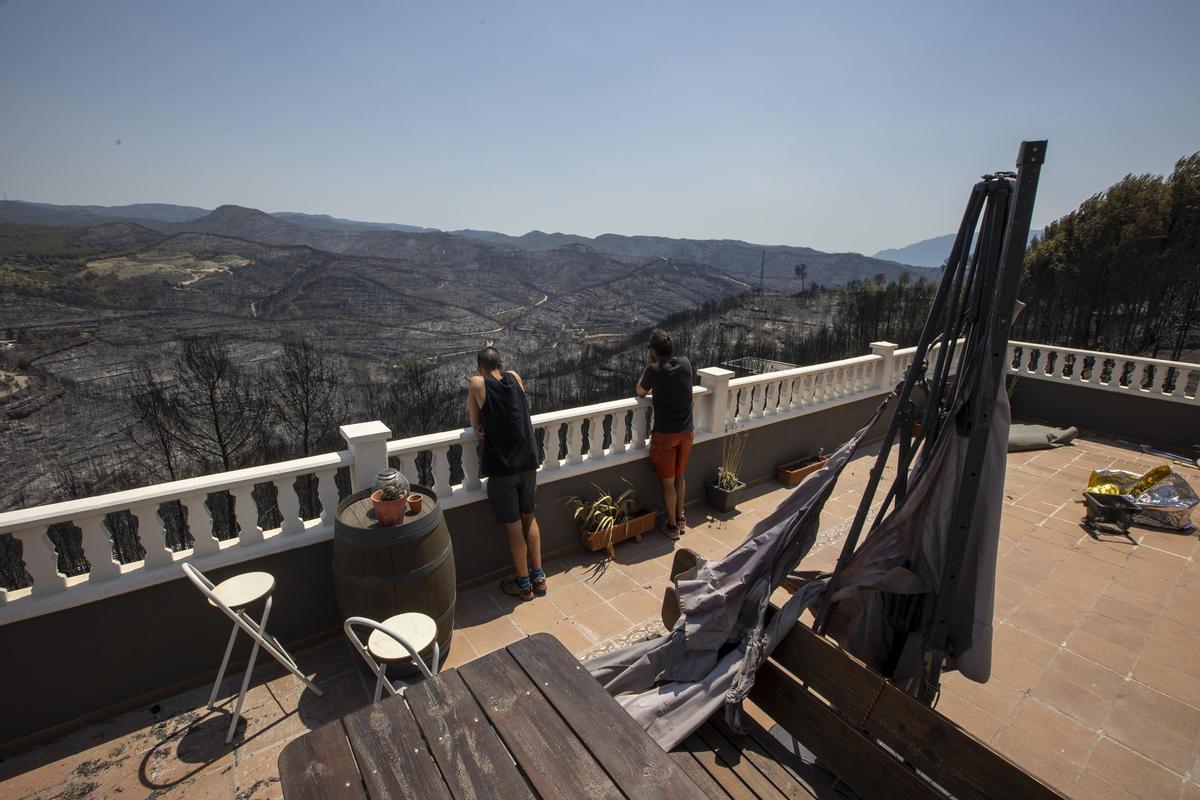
459,734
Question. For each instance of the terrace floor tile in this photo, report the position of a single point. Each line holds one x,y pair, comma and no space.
1096,658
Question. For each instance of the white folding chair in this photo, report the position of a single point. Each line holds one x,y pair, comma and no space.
398,639
233,596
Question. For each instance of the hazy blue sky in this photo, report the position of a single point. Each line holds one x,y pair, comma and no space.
840,125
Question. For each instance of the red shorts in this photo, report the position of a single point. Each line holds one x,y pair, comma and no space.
669,453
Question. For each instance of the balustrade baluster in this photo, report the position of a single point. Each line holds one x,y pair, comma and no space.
639,428
596,437
620,425
1139,377
199,523
575,441
327,491
550,446
770,398
408,466
41,561
246,512
153,535
754,401
288,503
441,471
470,465
97,547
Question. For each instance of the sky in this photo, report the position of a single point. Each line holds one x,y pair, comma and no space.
837,125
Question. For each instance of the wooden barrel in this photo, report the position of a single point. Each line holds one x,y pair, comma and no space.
382,571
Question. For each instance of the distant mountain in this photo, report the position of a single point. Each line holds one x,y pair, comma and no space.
152,215
779,267
743,260
325,222
928,252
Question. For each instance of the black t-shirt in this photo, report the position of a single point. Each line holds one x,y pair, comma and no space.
670,380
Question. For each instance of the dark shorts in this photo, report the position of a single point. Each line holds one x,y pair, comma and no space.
669,453
512,495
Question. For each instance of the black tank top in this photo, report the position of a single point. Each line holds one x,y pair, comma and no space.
509,445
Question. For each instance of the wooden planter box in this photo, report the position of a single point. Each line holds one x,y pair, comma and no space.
793,472
642,521
720,499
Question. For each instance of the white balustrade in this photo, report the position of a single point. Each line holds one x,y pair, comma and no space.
1171,380
41,562
97,548
152,535
288,504
246,513
328,492
720,400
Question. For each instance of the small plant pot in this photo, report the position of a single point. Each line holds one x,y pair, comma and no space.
388,512
723,500
642,521
793,472
414,502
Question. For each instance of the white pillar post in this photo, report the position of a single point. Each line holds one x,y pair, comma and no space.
716,380
368,448
887,367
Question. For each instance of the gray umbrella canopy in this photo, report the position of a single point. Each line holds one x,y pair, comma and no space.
673,683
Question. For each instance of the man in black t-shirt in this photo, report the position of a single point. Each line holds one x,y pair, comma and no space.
667,378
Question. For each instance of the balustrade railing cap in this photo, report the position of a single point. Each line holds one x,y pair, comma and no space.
364,432
716,372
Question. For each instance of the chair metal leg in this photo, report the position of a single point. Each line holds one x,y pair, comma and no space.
237,709
212,698
379,682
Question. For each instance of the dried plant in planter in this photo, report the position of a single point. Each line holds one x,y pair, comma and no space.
732,451
604,519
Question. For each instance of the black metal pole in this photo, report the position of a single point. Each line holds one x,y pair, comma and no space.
999,312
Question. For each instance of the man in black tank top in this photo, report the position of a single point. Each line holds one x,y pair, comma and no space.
508,458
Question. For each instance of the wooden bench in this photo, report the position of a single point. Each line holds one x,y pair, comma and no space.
878,741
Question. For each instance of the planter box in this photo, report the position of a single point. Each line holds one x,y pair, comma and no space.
792,473
641,522
720,499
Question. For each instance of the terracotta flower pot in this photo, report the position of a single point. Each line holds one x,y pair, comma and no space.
793,472
414,502
642,521
388,512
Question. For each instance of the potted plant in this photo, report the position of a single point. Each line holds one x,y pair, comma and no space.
791,473
724,492
391,503
606,520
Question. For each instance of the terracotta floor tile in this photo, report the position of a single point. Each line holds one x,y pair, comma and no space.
1088,674
475,607
968,716
637,605
610,583
1094,648
1024,643
1129,725
257,776
1014,669
535,615
1068,697
602,622
575,599
1046,728
1130,635
1131,772
461,652
1090,786
1180,544
1168,680
1046,616
1164,710
491,635
1040,761
994,697
572,636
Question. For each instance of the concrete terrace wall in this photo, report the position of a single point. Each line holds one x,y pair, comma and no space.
92,660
